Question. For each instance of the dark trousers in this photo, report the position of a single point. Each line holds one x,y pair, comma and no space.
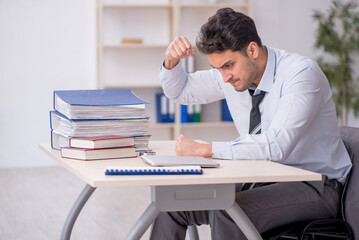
267,206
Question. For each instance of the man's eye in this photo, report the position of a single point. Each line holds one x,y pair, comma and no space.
228,65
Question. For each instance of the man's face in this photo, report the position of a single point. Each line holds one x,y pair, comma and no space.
236,69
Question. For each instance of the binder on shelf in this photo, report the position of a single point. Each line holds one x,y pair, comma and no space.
190,112
171,111
226,115
165,109
99,104
184,114
147,170
197,113
162,108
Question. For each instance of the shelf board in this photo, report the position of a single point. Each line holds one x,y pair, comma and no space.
137,5
208,124
213,5
124,46
161,125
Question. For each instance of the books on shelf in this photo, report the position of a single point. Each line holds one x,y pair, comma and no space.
98,154
94,113
191,113
101,142
147,170
99,104
165,109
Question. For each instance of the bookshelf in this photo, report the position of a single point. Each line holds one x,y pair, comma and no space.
153,24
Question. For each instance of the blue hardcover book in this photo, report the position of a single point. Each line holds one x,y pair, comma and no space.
98,104
226,114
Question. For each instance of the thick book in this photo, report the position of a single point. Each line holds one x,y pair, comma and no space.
97,127
58,141
153,170
101,142
99,104
98,154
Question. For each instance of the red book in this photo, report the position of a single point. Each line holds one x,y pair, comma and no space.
98,154
101,142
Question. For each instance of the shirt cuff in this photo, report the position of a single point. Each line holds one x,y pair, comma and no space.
222,150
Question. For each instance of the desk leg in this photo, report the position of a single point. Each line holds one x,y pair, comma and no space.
75,211
243,222
146,219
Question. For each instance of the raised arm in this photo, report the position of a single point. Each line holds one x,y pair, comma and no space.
179,48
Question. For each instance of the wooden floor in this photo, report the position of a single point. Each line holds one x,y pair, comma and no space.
34,203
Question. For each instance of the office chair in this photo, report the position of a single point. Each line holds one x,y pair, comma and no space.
345,226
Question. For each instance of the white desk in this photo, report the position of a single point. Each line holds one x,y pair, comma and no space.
215,189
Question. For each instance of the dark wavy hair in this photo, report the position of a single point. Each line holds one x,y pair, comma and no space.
227,29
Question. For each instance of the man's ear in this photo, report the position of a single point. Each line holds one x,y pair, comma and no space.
253,50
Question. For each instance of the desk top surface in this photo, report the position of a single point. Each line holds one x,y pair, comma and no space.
230,171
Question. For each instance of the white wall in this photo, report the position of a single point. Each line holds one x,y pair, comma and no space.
44,45
50,44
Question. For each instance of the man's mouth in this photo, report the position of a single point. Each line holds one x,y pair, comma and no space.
233,81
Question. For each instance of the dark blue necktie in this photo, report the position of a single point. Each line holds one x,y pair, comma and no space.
255,115
254,125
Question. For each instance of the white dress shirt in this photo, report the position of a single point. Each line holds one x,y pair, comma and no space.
299,124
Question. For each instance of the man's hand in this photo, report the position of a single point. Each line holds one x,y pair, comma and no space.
179,48
187,147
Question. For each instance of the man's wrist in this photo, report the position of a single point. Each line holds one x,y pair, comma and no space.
206,150
170,64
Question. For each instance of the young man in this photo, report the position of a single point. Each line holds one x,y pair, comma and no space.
295,124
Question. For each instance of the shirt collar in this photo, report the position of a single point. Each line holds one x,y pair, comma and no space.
267,79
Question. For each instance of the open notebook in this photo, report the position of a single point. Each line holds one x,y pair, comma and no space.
160,161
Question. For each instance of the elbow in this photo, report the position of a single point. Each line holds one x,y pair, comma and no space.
277,152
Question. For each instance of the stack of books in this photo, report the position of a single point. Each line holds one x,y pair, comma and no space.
98,113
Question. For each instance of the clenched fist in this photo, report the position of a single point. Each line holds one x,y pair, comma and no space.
179,48
187,147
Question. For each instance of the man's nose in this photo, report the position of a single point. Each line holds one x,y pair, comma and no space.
226,76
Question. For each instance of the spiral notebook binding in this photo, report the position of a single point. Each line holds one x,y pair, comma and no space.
185,170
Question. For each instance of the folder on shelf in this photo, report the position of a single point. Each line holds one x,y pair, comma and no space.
184,114
197,113
226,114
181,170
162,108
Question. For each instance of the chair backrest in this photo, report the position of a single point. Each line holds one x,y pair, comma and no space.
350,136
